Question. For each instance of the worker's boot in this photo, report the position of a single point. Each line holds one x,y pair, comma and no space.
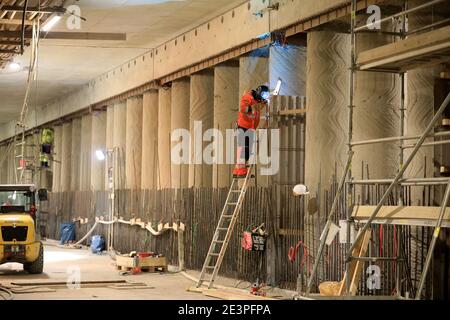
240,173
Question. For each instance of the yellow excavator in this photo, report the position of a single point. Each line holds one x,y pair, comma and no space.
19,241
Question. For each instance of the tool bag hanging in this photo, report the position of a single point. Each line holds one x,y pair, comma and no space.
254,238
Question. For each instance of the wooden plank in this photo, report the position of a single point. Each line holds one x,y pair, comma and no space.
292,112
356,266
426,44
290,232
15,22
127,262
412,215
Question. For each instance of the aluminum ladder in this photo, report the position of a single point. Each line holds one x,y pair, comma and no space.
224,229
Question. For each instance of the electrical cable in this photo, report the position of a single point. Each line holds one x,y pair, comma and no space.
24,14
10,295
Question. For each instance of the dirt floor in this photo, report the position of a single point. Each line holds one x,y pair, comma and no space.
60,262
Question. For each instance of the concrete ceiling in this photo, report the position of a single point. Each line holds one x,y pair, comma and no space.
65,65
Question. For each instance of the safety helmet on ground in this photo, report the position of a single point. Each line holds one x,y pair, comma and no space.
300,190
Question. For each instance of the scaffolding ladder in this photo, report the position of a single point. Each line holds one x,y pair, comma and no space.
224,229
397,181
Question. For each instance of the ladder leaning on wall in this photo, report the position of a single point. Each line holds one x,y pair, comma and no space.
224,229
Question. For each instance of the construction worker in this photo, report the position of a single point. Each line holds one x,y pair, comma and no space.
248,121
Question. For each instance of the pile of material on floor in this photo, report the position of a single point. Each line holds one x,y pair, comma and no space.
137,262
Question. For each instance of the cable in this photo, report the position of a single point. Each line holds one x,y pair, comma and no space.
8,292
24,14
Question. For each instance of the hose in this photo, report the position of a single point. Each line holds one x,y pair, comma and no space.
10,295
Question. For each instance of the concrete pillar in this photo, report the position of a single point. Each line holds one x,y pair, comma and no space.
98,143
226,106
326,123
420,108
120,117
75,155
150,140
109,139
56,187
86,156
133,154
376,115
180,120
164,119
66,157
201,111
326,119
288,63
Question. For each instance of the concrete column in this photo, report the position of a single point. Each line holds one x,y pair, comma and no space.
180,120
201,111
420,108
75,155
326,123
98,143
226,106
66,157
150,140
376,115
86,156
288,63
109,138
120,117
326,119
56,187
164,119
133,154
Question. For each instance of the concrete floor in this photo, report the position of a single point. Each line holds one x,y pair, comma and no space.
167,286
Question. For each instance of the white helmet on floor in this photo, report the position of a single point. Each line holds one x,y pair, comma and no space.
300,190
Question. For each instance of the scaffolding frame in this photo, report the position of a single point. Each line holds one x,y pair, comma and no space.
398,181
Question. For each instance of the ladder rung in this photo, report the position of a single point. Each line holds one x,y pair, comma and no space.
222,229
232,203
227,216
374,259
20,143
214,254
236,191
210,267
218,241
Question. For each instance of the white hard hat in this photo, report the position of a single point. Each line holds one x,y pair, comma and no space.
300,190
